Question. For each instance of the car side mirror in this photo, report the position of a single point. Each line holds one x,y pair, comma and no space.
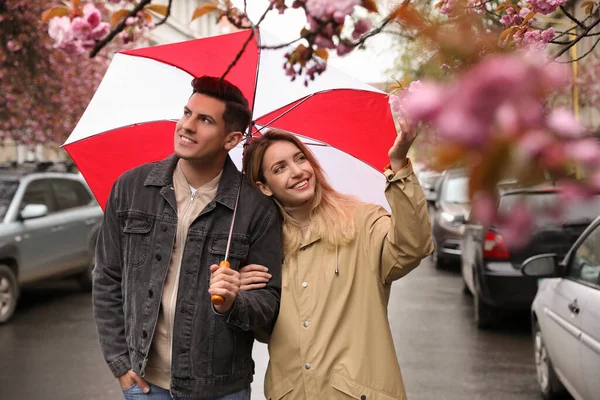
34,211
541,266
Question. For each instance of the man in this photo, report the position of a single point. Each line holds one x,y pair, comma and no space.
165,229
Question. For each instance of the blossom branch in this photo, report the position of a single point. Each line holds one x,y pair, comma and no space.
582,56
281,46
572,18
374,32
167,15
577,39
252,35
118,28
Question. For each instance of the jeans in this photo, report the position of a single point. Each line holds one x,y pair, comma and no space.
157,393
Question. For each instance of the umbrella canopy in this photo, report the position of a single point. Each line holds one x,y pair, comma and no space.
131,118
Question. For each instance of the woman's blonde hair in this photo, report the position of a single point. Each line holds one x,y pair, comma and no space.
331,211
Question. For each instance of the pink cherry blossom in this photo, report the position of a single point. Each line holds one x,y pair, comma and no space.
59,29
425,103
535,40
508,118
56,87
545,7
13,45
447,7
570,191
326,9
395,103
81,28
324,42
518,226
101,30
343,49
524,12
595,181
511,17
585,151
563,122
361,27
91,14
533,143
484,208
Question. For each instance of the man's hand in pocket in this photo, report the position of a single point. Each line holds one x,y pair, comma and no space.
131,378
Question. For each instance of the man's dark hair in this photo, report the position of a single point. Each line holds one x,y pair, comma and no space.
237,114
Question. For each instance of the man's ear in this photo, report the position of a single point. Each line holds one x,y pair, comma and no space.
264,188
232,139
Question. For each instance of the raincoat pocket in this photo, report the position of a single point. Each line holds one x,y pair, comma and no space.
358,391
279,390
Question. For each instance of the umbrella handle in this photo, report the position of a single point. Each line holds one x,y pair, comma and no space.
216,298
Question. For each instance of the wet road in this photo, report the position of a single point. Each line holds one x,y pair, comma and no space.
50,351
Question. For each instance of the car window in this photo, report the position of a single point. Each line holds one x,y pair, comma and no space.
456,190
38,192
542,204
70,194
585,263
7,192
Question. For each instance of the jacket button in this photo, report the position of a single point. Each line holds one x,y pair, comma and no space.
144,334
305,284
150,293
164,228
363,397
158,257
307,366
305,324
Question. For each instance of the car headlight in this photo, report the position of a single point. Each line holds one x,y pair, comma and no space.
450,221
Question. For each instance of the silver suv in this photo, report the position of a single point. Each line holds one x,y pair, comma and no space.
49,223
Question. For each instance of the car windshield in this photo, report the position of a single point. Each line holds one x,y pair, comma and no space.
7,192
456,190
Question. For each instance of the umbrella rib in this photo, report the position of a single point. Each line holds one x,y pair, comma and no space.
286,111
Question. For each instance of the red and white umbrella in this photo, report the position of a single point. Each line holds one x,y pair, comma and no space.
131,118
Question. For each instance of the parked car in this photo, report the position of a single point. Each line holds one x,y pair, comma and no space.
448,217
49,223
565,316
492,271
429,182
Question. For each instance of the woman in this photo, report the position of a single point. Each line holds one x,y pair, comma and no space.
332,338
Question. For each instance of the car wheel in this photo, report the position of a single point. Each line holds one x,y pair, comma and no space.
550,386
484,314
438,261
9,293
85,279
465,290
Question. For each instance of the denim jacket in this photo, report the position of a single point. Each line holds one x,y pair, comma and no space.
212,353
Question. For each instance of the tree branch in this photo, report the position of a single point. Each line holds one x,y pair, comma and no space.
577,39
118,28
374,32
583,56
572,18
239,54
167,15
281,46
